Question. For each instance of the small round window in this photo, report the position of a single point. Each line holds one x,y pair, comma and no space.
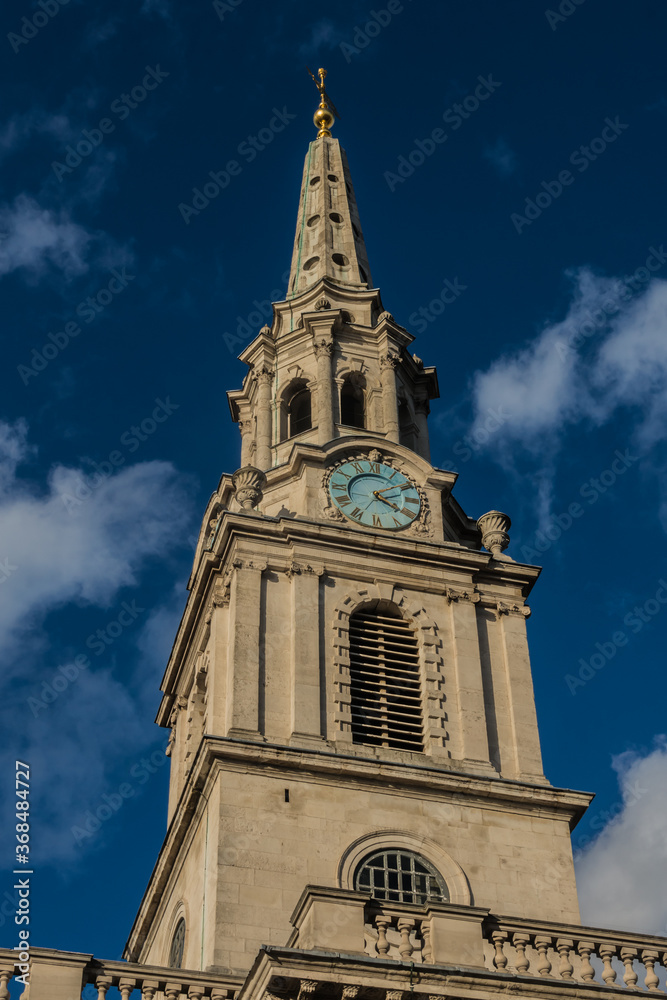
177,945
400,877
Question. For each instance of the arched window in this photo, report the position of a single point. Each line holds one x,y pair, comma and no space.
177,945
400,877
385,682
299,413
352,403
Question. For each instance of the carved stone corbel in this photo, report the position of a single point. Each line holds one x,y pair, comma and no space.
513,609
453,594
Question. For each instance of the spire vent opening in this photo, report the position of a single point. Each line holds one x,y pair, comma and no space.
333,178
335,217
310,263
312,221
315,181
340,260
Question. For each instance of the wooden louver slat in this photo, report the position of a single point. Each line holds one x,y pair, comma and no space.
385,683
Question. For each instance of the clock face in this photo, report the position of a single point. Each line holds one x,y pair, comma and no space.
374,494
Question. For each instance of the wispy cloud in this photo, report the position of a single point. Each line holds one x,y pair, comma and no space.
35,241
609,354
57,558
79,552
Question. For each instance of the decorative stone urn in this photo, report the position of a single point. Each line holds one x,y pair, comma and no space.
248,484
494,527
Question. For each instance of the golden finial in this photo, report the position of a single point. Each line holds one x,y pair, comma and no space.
326,112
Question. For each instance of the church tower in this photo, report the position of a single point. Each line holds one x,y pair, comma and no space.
349,693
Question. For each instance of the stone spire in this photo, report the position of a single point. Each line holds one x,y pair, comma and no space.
329,241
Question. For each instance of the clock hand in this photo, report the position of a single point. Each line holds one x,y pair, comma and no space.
376,493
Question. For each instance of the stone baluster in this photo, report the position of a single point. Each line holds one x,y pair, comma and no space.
405,927
382,922
218,994
563,947
587,971
149,988
126,987
172,991
606,952
427,947
196,991
500,958
543,944
5,976
630,977
649,958
522,963
102,983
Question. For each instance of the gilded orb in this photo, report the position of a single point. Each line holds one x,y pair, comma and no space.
323,120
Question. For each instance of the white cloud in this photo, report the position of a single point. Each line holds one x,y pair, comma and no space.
609,354
33,239
67,550
622,876
91,726
502,157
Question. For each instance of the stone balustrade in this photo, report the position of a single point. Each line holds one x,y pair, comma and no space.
577,954
429,941
58,975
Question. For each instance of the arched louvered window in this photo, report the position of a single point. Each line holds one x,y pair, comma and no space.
177,945
401,877
386,697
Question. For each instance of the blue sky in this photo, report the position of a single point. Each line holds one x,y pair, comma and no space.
509,165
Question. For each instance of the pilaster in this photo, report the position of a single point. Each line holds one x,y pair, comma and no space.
246,651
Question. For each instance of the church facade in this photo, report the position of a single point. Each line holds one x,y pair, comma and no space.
357,805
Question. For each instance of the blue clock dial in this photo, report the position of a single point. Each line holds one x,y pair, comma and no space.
374,494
